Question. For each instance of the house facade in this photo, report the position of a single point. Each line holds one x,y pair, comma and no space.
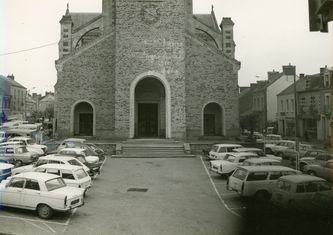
146,69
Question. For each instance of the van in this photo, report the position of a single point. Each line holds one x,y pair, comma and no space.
257,181
74,176
297,190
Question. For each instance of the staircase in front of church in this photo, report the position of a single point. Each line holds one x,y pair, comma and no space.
153,148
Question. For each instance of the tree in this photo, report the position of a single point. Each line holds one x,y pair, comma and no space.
250,121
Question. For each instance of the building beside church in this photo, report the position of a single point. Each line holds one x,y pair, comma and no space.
146,69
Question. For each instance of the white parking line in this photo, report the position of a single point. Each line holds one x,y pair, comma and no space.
219,196
33,220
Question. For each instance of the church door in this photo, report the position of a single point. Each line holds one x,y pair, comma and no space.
209,124
86,124
147,120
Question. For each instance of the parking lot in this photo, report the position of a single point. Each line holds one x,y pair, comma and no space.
161,196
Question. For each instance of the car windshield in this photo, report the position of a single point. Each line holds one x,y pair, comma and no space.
215,148
31,141
56,183
81,159
80,174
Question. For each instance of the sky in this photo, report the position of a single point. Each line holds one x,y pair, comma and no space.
268,34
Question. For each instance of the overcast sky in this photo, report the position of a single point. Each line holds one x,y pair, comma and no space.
268,34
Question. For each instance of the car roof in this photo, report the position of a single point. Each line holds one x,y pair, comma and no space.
74,140
267,168
73,149
20,138
243,154
57,157
261,159
60,166
247,149
228,145
36,176
301,178
273,135
4,166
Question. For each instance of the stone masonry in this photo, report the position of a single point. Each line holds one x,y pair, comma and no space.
133,40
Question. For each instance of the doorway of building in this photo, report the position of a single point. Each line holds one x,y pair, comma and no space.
150,109
83,119
147,120
212,120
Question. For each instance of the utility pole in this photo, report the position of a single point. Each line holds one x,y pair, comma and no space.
291,70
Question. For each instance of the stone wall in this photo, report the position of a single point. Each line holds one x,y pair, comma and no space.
87,76
210,77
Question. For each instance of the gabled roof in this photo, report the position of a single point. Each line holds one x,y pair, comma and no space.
80,19
208,20
11,82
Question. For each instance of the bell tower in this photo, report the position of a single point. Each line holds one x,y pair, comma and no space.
65,43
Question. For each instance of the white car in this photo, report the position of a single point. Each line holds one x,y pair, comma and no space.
261,161
270,139
30,143
226,167
257,151
40,152
50,159
79,151
42,192
219,151
280,146
70,142
74,176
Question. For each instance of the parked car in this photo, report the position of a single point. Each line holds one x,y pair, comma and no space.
257,181
5,170
320,206
219,151
2,136
17,154
226,167
74,176
294,191
281,145
313,153
40,152
30,143
321,169
51,159
70,142
93,165
79,151
257,151
261,161
270,139
97,149
318,158
42,192
292,154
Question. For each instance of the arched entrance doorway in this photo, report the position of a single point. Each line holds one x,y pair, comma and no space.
83,122
213,120
150,109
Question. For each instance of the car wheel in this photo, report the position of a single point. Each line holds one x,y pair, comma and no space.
268,151
44,211
262,196
312,173
18,163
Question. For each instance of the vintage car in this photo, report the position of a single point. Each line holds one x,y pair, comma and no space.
320,169
226,167
257,151
261,161
5,170
257,181
51,159
17,154
30,144
281,145
79,151
316,157
219,151
293,191
70,142
42,192
74,176
270,139
292,154
320,206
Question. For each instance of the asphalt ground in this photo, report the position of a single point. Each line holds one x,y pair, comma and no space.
179,199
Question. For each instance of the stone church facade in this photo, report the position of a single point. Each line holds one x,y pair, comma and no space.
146,69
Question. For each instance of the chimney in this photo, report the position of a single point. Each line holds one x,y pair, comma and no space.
289,70
11,77
301,75
272,74
322,70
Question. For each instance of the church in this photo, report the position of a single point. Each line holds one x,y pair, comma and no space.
146,69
